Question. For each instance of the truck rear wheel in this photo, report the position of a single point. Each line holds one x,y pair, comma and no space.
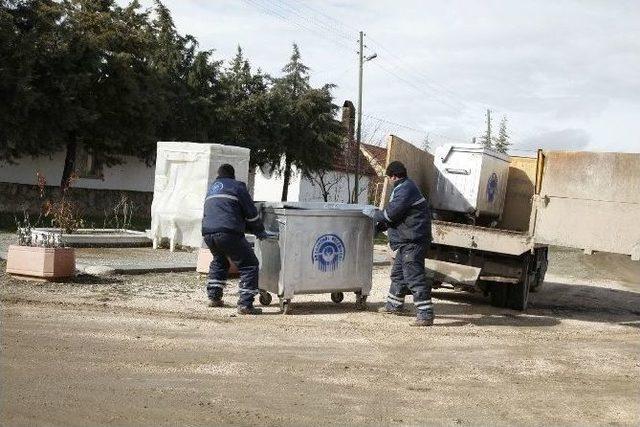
518,294
498,293
542,262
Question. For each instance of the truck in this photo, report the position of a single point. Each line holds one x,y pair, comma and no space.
584,200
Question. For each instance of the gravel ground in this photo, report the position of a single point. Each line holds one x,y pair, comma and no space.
144,349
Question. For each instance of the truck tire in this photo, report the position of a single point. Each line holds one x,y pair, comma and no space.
542,262
498,293
518,294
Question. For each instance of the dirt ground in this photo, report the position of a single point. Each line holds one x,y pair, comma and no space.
144,350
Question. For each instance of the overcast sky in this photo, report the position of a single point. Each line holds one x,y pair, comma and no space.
565,73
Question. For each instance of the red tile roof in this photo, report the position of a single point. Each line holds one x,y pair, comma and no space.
345,161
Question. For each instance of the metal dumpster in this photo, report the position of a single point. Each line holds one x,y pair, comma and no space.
470,179
321,248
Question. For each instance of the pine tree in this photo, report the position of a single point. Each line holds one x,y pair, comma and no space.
426,143
308,135
487,139
246,109
502,141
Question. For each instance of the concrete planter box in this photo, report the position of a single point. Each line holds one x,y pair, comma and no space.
41,262
100,237
205,258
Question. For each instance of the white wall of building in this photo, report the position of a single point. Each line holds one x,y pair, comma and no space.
132,174
268,187
339,188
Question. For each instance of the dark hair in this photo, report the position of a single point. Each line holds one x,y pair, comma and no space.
396,168
226,171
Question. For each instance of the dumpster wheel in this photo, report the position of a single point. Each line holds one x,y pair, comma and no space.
265,298
337,297
361,302
285,305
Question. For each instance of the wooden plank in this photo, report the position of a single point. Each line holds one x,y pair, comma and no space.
520,190
419,164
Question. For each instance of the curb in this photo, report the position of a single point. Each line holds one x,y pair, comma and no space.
103,270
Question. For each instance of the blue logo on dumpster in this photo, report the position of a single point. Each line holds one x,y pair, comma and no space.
492,187
328,252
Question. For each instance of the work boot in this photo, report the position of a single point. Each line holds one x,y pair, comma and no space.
215,303
423,319
389,309
249,310
422,322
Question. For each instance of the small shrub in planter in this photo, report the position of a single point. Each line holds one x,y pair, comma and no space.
45,256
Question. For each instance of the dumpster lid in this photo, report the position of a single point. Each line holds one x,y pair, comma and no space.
313,206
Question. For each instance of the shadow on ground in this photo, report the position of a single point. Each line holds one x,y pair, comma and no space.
553,303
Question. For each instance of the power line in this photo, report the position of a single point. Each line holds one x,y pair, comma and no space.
402,65
421,131
348,33
333,30
281,13
415,86
324,29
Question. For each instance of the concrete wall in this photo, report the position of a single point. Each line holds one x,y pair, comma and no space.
17,198
341,185
267,185
131,175
520,190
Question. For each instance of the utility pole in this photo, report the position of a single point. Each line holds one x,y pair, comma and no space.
356,185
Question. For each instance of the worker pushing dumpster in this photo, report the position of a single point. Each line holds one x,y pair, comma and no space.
321,248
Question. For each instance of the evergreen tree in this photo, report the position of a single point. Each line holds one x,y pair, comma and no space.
246,109
502,141
116,79
308,135
426,143
85,80
487,139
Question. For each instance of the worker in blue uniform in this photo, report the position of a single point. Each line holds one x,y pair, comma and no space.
229,211
407,218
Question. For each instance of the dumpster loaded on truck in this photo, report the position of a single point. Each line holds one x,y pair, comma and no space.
492,236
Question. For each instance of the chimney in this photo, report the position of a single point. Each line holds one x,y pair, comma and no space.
349,120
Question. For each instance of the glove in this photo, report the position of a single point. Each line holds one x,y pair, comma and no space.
266,235
381,227
369,211
272,235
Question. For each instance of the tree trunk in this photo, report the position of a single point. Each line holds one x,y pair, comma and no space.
323,186
69,165
287,178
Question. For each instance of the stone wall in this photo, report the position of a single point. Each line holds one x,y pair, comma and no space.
16,198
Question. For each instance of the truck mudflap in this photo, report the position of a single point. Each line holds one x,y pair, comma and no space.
506,279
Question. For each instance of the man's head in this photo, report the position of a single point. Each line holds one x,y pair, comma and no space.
226,171
396,171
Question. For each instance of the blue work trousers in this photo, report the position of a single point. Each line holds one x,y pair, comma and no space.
234,247
408,277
